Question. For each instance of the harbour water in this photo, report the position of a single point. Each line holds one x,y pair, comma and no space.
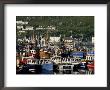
52,69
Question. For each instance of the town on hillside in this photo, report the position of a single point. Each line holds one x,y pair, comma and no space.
55,45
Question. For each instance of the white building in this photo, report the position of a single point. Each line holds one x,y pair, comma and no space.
92,39
68,41
20,27
28,28
54,39
21,22
47,28
43,43
33,51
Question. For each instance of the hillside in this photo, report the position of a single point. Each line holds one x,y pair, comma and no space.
77,26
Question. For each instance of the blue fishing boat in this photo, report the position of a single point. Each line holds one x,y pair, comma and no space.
78,54
47,68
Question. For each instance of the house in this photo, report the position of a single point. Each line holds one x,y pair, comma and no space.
33,51
43,42
68,42
28,28
93,40
21,22
54,39
68,39
45,28
20,27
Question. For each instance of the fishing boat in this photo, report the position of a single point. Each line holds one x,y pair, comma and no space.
47,67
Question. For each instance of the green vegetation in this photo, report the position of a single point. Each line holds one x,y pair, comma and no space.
77,26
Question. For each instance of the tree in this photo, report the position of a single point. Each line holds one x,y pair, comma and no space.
64,24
